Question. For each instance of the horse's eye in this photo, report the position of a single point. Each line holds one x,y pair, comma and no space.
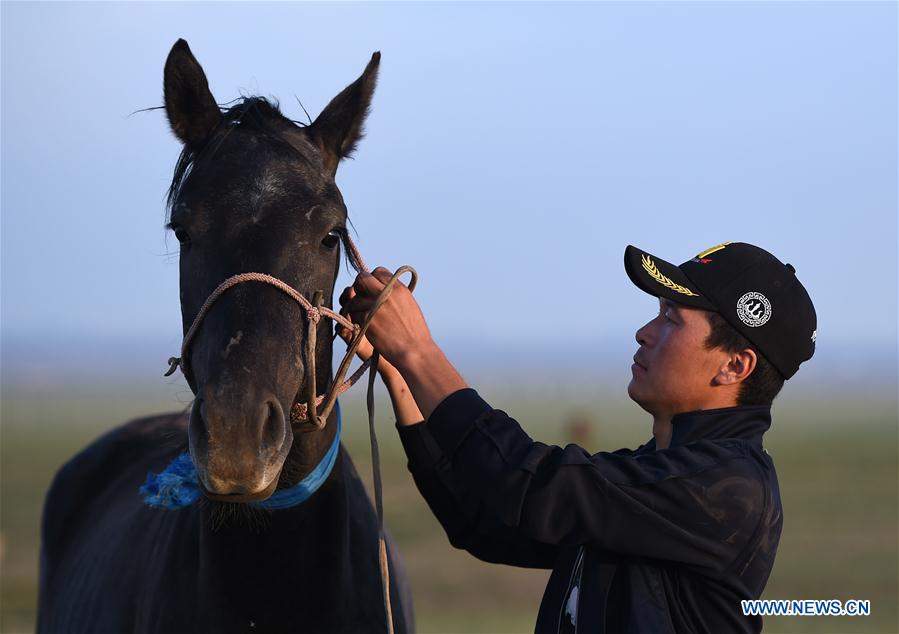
331,240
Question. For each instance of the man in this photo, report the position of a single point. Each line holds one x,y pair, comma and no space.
665,538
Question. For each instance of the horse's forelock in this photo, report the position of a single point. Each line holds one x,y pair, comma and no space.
254,113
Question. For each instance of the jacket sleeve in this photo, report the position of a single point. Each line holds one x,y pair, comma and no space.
697,504
467,528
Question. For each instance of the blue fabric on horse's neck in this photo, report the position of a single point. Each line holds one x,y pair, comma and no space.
177,486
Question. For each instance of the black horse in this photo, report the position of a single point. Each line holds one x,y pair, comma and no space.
253,191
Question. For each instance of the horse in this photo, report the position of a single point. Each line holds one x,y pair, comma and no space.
252,191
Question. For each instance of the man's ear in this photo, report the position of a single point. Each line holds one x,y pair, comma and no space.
339,127
191,108
738,367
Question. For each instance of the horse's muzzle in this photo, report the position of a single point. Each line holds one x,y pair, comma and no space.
239,448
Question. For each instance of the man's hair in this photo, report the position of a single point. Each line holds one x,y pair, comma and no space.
765,382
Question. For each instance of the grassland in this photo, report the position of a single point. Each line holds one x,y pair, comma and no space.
836,459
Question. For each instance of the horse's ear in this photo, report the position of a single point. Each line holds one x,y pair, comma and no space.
339,127
193,113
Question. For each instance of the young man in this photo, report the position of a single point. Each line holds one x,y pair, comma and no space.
665,538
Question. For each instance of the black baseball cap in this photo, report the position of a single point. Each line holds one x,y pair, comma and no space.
751,289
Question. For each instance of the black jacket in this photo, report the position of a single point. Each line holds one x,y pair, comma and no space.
670,540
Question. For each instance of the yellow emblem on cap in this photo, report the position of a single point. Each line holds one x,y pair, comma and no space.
717,247
667,282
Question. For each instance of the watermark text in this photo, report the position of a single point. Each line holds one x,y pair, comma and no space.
806,607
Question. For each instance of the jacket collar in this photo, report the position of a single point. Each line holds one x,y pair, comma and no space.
748,422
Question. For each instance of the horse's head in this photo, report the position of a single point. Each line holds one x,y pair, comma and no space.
255,192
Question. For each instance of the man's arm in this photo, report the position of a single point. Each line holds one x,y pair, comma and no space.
488,541
655,505
404,406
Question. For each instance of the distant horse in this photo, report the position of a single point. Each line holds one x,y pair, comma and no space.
252,191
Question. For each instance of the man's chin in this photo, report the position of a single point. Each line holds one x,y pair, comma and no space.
633,391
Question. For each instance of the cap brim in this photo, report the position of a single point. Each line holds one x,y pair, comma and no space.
662,279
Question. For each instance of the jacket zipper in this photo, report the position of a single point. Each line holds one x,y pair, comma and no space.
565,597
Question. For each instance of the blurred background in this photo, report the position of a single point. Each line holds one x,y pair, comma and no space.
513,151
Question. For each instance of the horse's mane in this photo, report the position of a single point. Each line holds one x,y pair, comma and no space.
255,113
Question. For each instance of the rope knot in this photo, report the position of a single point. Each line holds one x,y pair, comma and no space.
314,315
174,362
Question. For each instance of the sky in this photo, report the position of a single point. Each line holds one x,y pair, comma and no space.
512,152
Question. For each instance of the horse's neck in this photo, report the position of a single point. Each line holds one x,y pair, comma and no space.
259,557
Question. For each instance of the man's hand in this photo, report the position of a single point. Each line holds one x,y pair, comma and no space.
364,350
400,333
398,328
404,407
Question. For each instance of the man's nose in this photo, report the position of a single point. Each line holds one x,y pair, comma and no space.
643,334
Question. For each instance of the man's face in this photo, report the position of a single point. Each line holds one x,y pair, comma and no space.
673,371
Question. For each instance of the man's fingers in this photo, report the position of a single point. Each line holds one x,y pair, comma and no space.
358,306
367,284
347,294
382,274
373,283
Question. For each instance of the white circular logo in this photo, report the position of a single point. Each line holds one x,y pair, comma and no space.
754,309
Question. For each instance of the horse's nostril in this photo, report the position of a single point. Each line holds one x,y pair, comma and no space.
197,429
272,426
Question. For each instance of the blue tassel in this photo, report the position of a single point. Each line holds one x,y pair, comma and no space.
174,488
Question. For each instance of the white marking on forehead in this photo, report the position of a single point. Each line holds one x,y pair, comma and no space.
266,185
311,209
235,340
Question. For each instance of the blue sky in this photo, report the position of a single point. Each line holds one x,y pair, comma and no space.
513,151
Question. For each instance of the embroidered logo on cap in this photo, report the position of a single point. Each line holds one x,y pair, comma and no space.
754,309
657,275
